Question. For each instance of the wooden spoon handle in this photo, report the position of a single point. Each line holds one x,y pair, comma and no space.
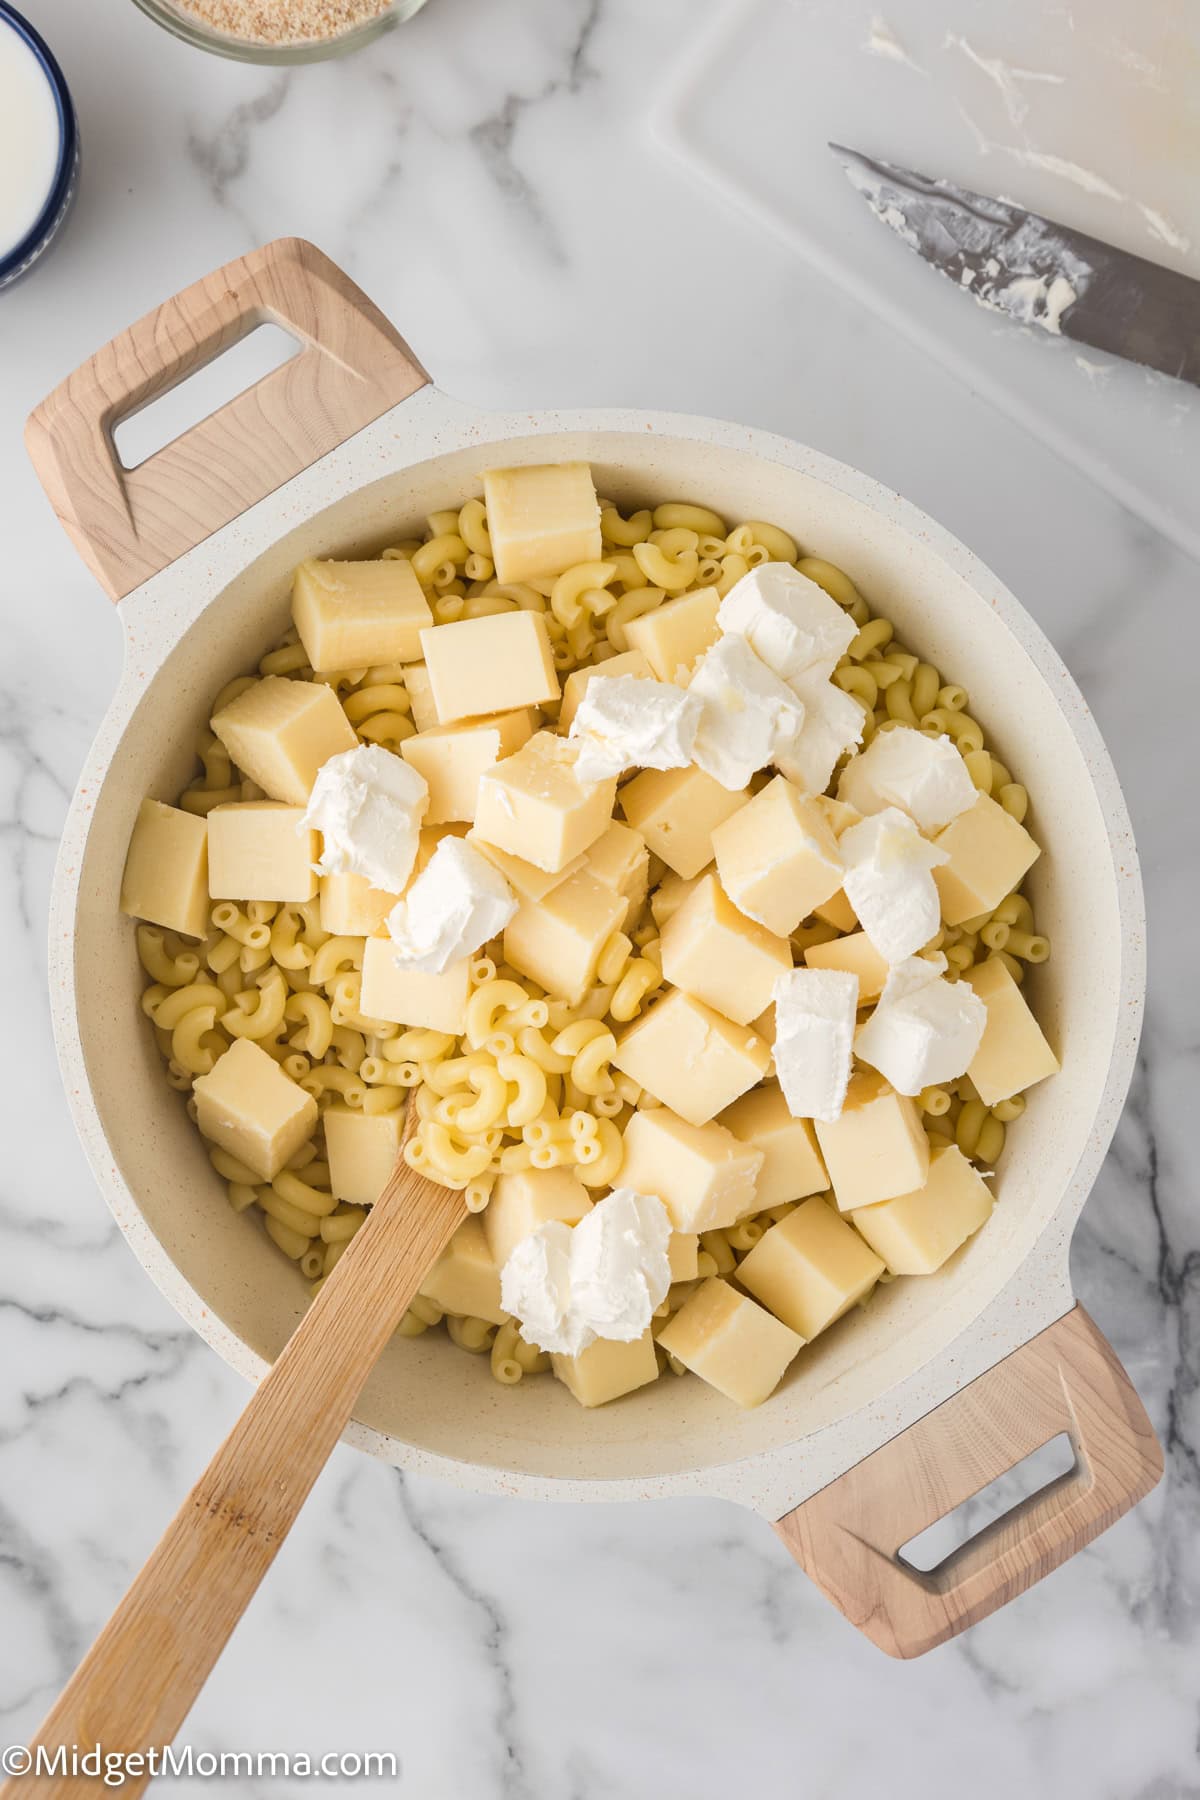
849,1536
138,1681
351,367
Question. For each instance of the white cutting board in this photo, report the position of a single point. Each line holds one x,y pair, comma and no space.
1088,113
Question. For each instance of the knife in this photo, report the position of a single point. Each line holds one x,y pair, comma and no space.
1037,271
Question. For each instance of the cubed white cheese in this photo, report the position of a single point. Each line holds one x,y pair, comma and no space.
368,805
833,724
924,1030
787,620
624,722
814,1039
888,882
458,902
925,777
749,717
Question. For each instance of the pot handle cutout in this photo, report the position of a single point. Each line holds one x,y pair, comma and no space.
848,1536
128,524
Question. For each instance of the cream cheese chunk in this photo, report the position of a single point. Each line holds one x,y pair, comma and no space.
602,1278
787,620
925,777
833,724
889,884
749,717
625,723
925,1030
368,805
457,903
814,1039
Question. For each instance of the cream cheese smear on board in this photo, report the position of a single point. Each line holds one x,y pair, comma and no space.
30,136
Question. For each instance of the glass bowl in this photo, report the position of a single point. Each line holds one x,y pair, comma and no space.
189,27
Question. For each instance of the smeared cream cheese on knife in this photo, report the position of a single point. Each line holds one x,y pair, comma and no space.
1037,272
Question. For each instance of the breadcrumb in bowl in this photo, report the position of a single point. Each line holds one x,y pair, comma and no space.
278,31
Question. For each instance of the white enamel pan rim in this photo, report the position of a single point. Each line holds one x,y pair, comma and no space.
430,425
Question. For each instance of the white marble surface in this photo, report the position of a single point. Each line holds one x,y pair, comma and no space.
487,174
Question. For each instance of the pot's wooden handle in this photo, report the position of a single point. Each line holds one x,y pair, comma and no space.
847,1537
137,1683
127,524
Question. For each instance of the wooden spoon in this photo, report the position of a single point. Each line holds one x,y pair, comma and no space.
137,1683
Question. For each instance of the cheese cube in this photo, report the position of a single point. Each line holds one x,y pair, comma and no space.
465,1280
777,857
261,850
629,662
692,1059
607,1369
731,1343
839,813
989,854
542,519
857,955
677,811
792,1167
534,806
409,996
683,1255
362,1149
702,1174
1012,1053
526,1198
916,1233
877,1148
619,860
351,907
676,633
420,692
489,665
453,757
352,614
810,1268
671,893
837,911
249,1107
713,951
525,878
557,941
166,869
279,732
764,1027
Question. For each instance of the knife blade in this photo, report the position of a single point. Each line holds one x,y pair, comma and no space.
1037,271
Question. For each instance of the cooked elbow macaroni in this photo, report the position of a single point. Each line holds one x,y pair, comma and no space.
529,1082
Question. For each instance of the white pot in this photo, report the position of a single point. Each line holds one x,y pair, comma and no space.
206,616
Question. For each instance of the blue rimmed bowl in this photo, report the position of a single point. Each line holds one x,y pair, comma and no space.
17,258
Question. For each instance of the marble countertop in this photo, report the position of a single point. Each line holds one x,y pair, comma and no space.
489,175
